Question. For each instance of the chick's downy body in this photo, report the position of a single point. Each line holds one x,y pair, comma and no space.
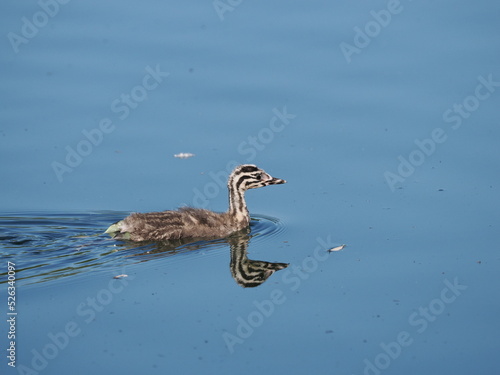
188,222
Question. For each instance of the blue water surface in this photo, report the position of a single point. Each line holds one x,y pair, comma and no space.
383,118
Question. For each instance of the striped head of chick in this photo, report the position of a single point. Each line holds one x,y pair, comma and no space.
249,176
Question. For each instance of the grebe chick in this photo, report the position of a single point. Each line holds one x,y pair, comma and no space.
196,223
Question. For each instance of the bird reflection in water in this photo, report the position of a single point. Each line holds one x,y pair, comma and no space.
247,273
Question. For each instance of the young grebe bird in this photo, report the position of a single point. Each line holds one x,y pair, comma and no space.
196,223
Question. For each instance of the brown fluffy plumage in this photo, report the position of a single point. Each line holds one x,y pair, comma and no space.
196,223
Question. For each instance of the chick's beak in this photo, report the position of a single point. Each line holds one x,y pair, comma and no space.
276,181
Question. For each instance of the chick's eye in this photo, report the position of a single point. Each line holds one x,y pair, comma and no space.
258,176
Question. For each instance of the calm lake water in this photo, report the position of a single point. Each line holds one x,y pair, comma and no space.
381,116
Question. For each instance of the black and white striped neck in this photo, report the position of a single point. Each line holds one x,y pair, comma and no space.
237,205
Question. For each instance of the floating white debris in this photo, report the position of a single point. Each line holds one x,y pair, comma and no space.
338,248
184,155
120,276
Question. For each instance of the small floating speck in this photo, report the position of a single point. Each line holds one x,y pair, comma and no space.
120,276
337,248
184,155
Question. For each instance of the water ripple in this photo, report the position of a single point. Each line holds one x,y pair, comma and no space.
51,246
